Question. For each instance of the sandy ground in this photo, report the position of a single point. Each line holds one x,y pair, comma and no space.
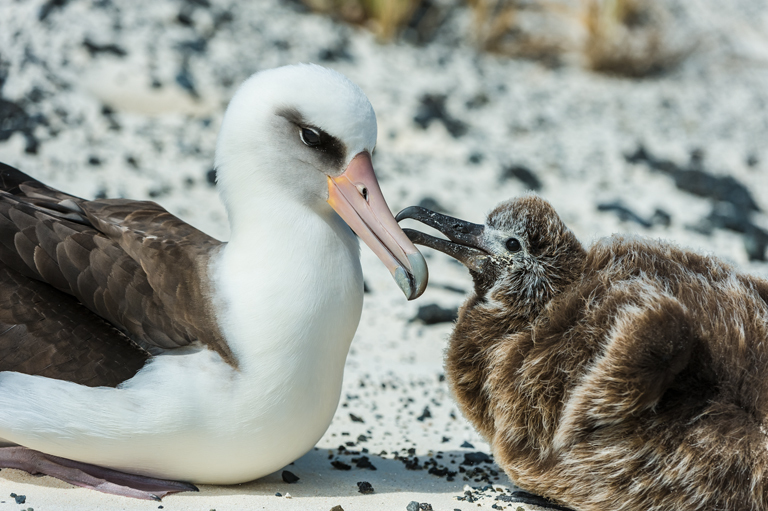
117,99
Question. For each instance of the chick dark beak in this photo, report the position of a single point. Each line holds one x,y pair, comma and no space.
466,239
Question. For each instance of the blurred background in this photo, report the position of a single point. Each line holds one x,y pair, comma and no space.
646,116
611,108
633,116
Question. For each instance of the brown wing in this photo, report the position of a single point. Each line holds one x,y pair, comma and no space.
48,333
131,263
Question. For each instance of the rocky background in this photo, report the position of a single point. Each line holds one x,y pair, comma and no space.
651,121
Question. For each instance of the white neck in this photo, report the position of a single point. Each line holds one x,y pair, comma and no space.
289,282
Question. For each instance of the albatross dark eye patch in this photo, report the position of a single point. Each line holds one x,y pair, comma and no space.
330,149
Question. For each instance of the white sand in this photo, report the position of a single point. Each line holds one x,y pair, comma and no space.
569,126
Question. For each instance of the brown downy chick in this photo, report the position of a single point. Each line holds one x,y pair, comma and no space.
630,376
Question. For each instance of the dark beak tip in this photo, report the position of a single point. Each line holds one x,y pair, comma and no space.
406,213
412,234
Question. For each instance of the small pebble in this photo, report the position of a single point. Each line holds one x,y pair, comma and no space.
20,499
278,494
364,487
337,508
475,458
340,465
289,477
363,462
412,506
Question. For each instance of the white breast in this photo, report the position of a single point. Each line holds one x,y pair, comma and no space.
288,311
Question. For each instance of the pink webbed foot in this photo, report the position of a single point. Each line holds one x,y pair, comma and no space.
85,475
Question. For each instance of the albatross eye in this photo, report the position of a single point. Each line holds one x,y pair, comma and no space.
513,245
310,137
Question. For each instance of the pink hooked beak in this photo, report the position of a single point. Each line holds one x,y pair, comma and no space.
355,195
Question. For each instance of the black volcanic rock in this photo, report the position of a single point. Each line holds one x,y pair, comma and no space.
432,314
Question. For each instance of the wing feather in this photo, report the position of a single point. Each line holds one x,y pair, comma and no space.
129,264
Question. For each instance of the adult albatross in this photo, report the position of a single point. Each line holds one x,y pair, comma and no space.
132,344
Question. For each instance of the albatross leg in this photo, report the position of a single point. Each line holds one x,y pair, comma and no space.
529,498
96,478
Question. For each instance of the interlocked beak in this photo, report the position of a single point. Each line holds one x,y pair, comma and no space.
355,195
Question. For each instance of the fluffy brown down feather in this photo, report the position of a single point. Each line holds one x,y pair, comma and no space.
632,376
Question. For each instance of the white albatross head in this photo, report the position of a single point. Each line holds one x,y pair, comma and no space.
306,133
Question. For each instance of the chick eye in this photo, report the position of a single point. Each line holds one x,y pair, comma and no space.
513,245
310,137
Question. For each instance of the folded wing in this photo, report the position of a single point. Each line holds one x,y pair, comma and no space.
126,264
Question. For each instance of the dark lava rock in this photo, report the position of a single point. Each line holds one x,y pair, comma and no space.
441,472
475,458
197,45
432,108
14,118
756,244
364,487
624,213
696,181
478,100
340,465
336,53
337,508
363,462
725,188
210,177
661,217
47,8
467,445
185,80
426,414
278,494
96,49
726,216
412,506
289,477
734,203
109,115
20,499
432,314
475,158
185,18
523,174
532,499
412,464
355,418
427,18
